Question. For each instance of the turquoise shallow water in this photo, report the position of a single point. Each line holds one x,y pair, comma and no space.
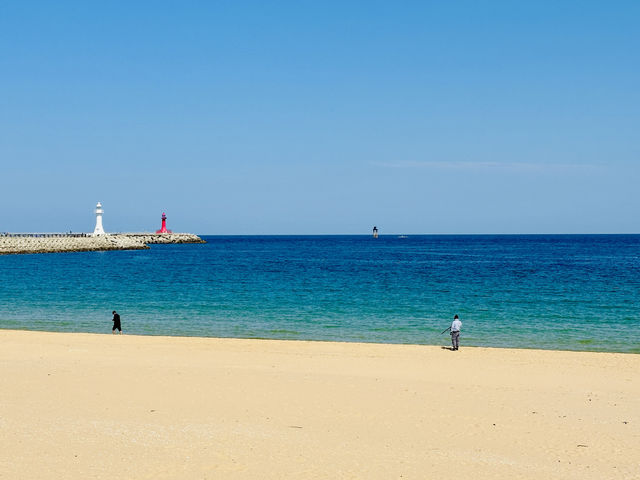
574,292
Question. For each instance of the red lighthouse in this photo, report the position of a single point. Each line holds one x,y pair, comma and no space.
164,225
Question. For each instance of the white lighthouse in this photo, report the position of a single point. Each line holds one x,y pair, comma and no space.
98,230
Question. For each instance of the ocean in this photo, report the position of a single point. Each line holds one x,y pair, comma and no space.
560,292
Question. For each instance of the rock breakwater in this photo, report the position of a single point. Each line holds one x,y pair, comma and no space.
160,238
56,243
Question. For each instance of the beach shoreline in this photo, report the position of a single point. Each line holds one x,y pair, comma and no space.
445,344
104,406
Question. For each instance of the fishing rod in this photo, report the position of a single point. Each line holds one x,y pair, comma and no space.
448,328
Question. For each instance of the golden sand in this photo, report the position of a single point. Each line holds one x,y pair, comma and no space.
81,406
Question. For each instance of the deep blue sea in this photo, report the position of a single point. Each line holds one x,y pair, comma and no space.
568,292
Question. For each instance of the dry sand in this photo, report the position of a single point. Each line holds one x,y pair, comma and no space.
80,406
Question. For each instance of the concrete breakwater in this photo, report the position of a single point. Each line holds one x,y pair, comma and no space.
155,238
54,243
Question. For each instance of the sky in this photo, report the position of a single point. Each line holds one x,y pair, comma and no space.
239,117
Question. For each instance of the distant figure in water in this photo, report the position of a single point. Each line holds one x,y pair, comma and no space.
456,325
116,323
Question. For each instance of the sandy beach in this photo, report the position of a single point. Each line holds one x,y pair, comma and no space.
83,406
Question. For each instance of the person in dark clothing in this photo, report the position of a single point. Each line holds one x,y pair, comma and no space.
116,323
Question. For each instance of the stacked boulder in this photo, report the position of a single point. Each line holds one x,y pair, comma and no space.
55,243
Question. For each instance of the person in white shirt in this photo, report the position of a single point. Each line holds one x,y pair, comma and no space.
456,326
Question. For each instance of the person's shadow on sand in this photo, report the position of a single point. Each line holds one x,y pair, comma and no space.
447,348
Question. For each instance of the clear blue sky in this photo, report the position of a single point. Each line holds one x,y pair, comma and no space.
321,117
